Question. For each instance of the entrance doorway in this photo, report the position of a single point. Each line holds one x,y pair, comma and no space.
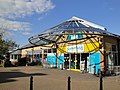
75,61
79,61
84,63
66,61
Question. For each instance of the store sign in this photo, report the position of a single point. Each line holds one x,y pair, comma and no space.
76,36
75,48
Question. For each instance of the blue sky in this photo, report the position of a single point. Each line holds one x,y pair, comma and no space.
34,16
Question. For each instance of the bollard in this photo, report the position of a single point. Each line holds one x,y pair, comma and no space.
69,82
101,81
31,82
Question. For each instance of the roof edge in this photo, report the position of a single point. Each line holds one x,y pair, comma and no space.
74,18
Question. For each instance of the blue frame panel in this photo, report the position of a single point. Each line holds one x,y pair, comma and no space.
60,60
94,61
51,58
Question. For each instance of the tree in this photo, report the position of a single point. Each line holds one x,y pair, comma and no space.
6,45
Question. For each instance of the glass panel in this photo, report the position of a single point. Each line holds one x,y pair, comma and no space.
115,59
72,64
12,57
45,57
54,50
40,55
113,47
45,50
15,57
49,50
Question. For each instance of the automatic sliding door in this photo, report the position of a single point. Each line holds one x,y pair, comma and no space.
75,61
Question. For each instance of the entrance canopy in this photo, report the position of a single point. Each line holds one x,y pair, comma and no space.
70,27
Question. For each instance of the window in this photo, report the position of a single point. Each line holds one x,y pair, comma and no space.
11,56
49,50
115,59
114,55
15,57
45,50
19,56
40,55
37,56
113,47
54,50
45,56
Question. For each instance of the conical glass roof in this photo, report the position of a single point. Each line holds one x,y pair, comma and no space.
71,26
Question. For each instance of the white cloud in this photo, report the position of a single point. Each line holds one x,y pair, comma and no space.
13,25
40,18
10,10
26,33
22,8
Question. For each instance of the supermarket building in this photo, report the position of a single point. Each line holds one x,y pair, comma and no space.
75,44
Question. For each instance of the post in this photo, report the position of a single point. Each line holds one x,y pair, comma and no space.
75,60
56,56
31,82
101,81
104,46
69,82
32,54
69,60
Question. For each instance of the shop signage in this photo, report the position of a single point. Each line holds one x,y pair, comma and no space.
76,36
75,48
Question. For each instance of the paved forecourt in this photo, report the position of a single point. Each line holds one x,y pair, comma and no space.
18,78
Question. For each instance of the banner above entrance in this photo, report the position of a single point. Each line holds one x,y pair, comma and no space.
83,48
75,48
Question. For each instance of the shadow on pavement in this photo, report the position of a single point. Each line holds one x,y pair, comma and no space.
6,77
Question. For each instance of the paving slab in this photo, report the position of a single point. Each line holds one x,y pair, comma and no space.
18,78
